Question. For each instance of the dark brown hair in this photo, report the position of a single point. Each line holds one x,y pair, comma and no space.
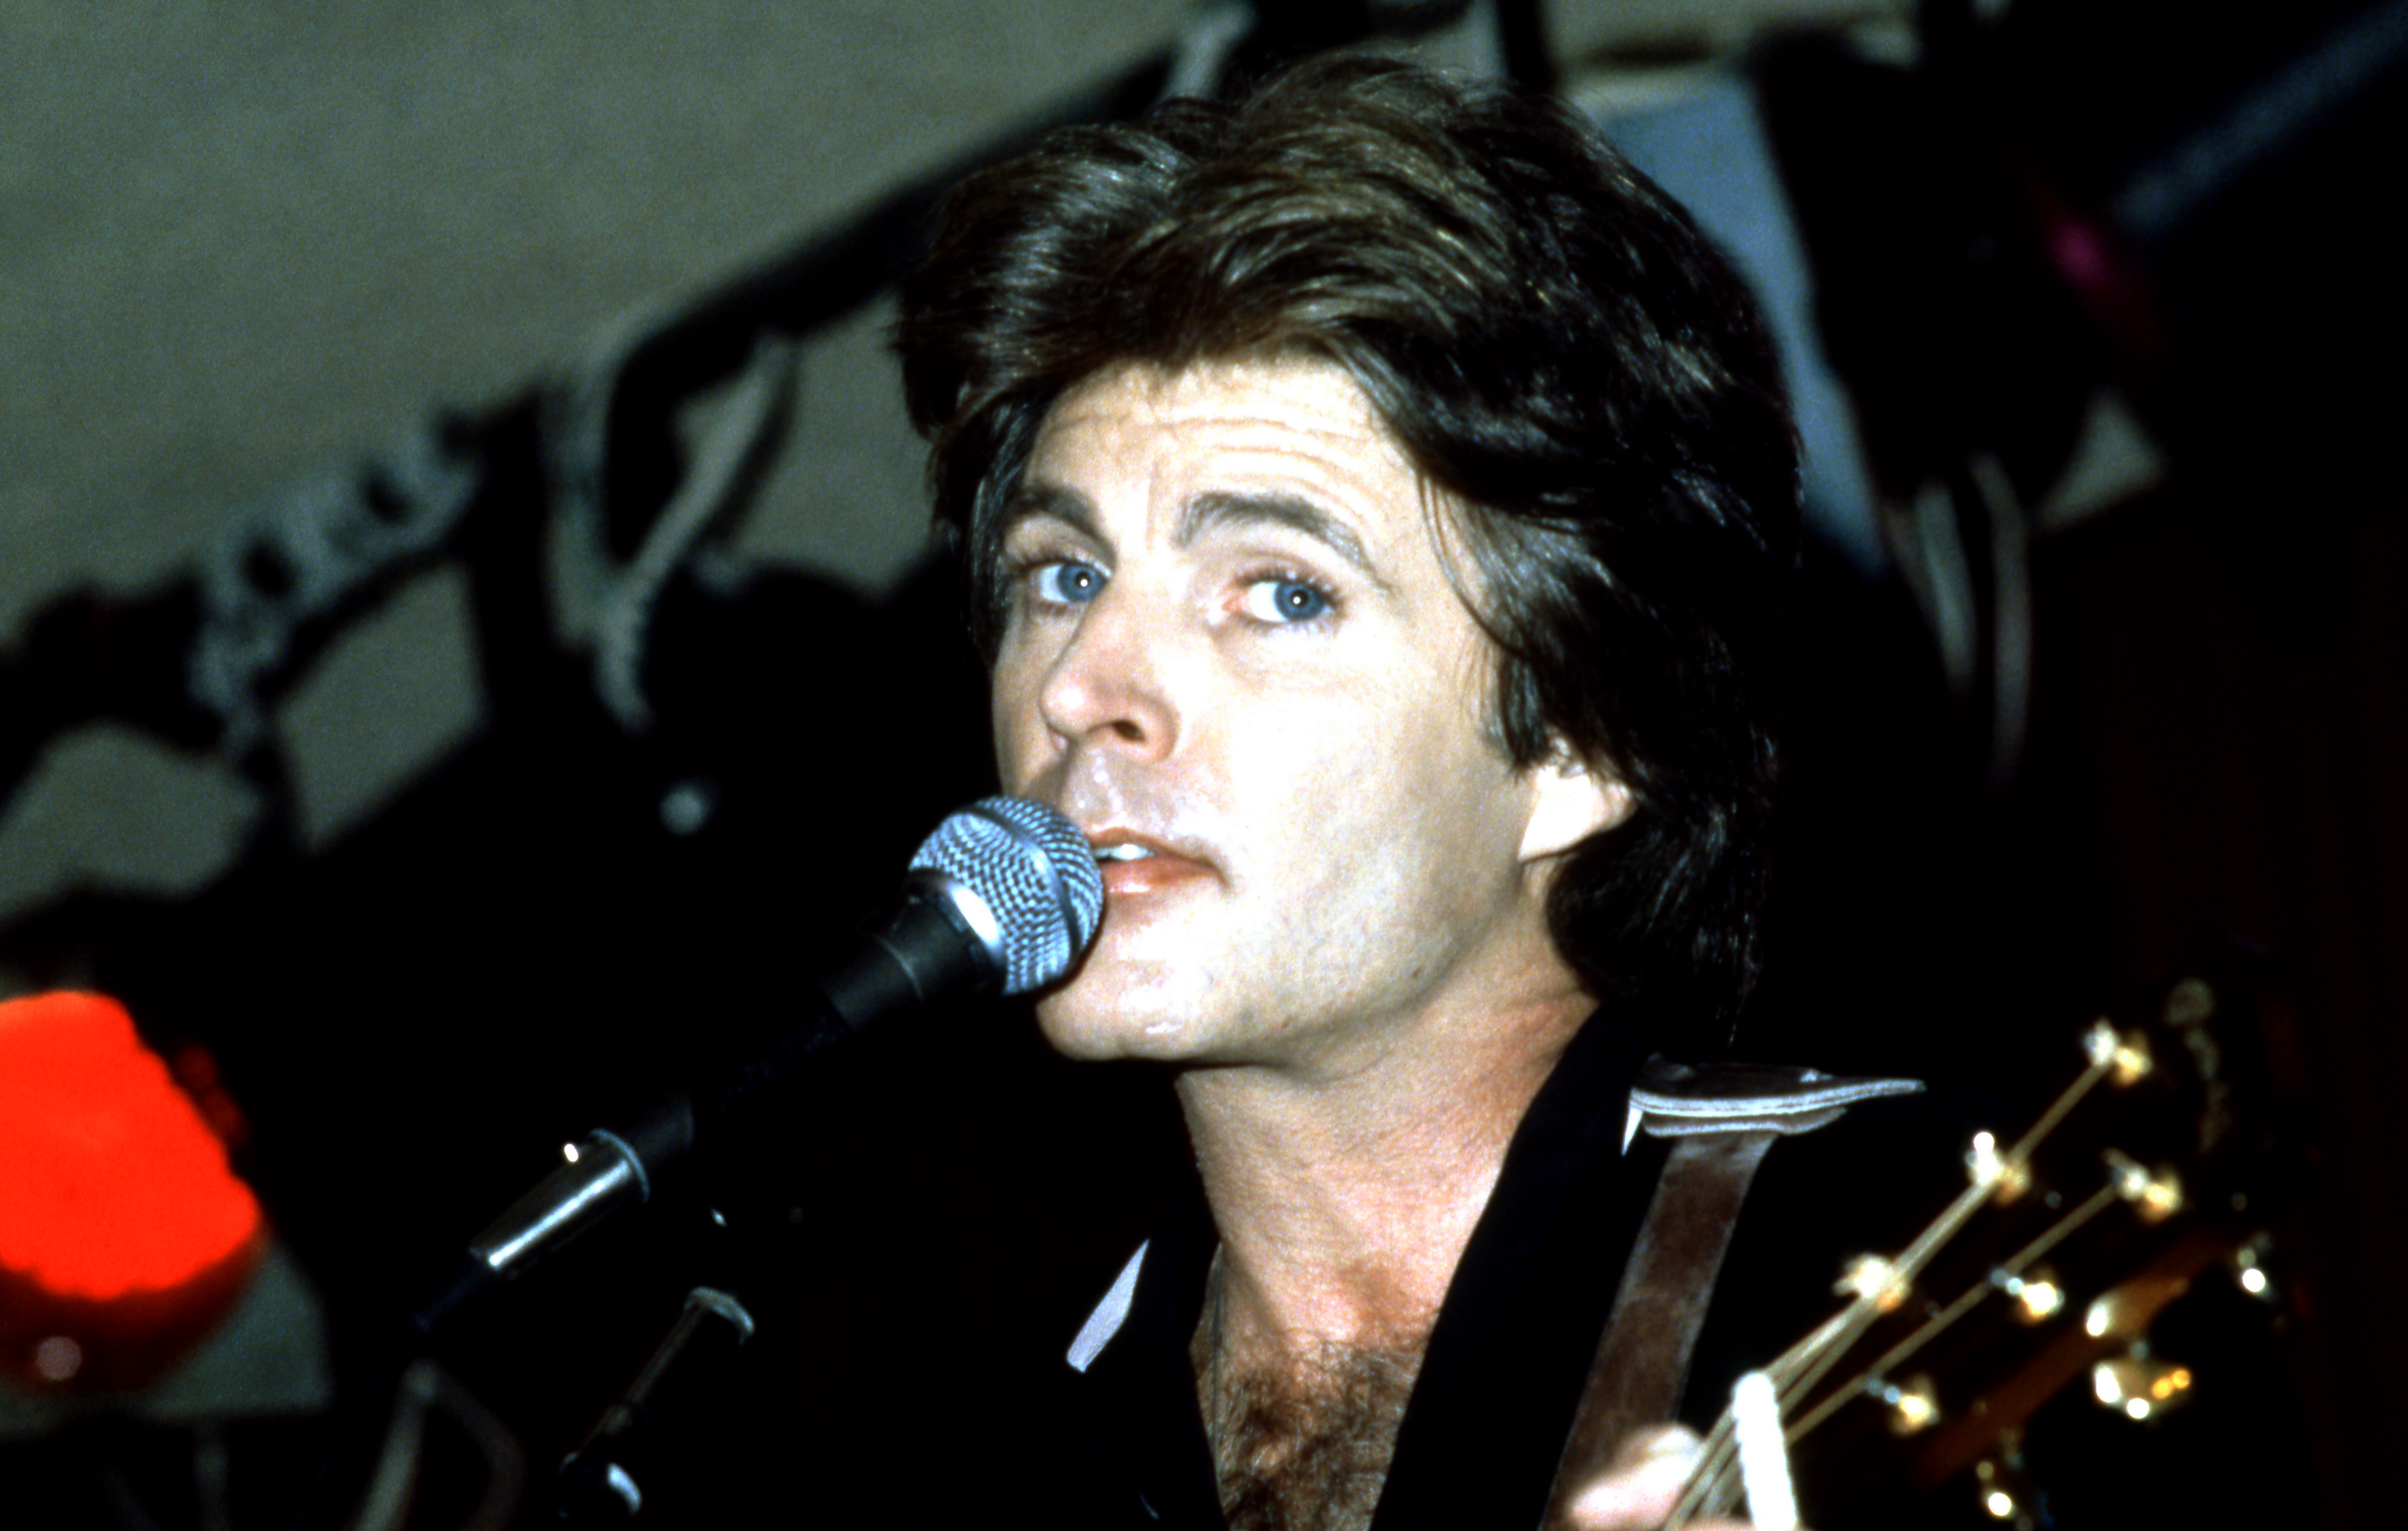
1558,349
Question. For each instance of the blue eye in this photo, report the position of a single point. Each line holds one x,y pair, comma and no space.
1284,601
1066,583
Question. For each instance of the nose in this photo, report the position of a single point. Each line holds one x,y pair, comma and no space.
1110,685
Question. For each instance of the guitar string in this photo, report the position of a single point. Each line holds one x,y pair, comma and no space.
1718,1454
2057,1111
1715,1487
1965,1302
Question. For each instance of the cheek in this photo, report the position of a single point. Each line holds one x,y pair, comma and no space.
1445,788
1366,767
1013,717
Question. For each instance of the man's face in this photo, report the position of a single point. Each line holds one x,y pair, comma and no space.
1232,655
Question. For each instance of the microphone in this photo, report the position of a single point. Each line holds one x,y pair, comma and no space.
1005,895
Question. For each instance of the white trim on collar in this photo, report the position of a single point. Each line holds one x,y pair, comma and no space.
1109,1314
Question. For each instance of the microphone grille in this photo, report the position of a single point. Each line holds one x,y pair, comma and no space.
1035,870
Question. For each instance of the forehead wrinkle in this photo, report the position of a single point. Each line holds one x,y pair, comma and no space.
1219,508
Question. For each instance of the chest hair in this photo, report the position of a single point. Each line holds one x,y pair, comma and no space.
1305,1447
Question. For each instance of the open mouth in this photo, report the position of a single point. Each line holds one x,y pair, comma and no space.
1124,852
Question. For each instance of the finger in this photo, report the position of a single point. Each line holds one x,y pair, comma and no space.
1643,1484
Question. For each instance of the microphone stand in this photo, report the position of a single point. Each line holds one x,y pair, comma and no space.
925,950
600,1482
616,1169
940,941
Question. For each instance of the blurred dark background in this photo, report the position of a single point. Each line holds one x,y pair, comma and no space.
467,639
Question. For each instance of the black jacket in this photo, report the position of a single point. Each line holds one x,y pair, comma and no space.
1480,1439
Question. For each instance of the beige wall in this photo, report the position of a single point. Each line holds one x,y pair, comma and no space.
238,243
243,245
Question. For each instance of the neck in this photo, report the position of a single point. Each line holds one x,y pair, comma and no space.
1344,1195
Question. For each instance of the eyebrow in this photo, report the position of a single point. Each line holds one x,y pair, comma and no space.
1202,514
1053,502
1208,510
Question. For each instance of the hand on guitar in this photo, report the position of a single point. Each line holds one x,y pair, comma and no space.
1640,1490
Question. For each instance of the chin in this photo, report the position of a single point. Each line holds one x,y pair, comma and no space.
1083,1021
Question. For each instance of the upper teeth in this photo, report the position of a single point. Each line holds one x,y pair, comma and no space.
1122,852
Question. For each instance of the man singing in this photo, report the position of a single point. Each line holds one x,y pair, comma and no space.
1377,500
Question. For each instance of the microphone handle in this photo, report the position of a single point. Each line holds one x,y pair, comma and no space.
921,951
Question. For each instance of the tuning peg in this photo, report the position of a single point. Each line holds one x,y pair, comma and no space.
2156,1196
1875,1280
2249,1270
2008,1493
1914,1404
2127,1055
2139,1385
2007,1178
2037,1295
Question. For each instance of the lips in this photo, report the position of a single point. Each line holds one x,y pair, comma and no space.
1134,864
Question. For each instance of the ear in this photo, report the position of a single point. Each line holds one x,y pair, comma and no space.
1572,801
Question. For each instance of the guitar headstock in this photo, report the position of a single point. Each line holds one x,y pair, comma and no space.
2153,1170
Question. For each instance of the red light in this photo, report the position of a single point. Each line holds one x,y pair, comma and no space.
117,1209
